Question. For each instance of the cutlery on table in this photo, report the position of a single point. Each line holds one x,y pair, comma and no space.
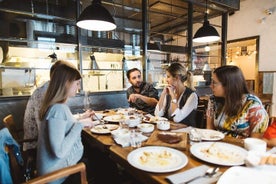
102,122
209,173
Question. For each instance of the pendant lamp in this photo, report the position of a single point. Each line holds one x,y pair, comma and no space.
206,33
96,18
154,47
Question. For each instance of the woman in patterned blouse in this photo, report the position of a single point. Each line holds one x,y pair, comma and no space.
232,109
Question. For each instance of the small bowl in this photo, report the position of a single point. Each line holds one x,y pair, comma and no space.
255,144
163,125
146,127
119,133
133,121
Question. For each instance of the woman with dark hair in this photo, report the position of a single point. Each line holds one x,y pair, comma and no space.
233,109
178,100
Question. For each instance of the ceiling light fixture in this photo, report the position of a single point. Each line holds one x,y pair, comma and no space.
96,18
154,47
206,33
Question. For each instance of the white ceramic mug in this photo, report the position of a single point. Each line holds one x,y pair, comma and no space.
255,144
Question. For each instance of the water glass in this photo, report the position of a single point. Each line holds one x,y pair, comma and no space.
123,124
135,141
194,136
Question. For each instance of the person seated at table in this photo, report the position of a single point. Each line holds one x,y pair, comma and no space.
141,95
178,100
270,134
232,109
31,120
59,138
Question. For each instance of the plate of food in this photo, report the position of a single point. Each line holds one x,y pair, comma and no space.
115,118
153,119
127,111
219,153
104,129
210,135
252,175
157,159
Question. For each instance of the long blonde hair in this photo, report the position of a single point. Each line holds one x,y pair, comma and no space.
176,69
57,91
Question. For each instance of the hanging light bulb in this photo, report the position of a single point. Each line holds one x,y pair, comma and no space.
96,18
207,48
206,33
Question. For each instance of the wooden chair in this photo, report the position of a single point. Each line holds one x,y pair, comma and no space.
78,168
10,124
19,173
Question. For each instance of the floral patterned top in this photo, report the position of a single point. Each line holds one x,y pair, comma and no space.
31,116
253,118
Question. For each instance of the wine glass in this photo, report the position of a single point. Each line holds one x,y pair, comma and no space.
86,102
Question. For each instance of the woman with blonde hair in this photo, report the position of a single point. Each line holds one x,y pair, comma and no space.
178,100
59,140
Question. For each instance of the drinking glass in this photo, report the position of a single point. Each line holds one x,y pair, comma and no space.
135,136
86,102
194,136
123,124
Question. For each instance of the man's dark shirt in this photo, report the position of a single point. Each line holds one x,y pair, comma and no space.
146,89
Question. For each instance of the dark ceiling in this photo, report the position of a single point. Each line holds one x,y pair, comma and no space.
166,18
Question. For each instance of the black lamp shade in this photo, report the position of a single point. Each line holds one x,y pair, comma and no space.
96,18
154,47
206,33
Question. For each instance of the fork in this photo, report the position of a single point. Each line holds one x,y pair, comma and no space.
102,122
209,173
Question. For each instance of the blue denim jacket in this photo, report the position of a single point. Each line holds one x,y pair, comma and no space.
7,139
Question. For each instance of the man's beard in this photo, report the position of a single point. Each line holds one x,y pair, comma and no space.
138,84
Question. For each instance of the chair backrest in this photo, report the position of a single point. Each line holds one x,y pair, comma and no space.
20,173
10,124
78,168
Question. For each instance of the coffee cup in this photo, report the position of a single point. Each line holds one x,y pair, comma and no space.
255,144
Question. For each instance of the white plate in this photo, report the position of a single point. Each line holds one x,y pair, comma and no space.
157,159
125,111
210,135
154,119
114,118
252,175
104,129
219,153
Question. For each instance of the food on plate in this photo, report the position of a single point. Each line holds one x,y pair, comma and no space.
104,129
146,127
170,138
152,119
214,151
269,160
156,159
118,117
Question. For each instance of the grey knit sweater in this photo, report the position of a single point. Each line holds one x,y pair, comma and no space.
59,140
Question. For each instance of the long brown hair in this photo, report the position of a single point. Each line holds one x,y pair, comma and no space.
57,92
233,81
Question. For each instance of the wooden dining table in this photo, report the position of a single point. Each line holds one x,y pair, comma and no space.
119,154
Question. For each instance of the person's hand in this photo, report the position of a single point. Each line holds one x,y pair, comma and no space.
87,122
170,90
87,114
133,97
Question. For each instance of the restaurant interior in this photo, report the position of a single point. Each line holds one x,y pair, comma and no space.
146,34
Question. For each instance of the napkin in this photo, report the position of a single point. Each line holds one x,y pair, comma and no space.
186,129
186,176
124,141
